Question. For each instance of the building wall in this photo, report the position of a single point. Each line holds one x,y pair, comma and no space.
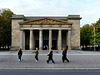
75,34
16,32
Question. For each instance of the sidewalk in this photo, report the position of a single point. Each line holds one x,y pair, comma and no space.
78,60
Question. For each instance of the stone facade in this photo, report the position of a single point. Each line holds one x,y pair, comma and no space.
75,34
31,32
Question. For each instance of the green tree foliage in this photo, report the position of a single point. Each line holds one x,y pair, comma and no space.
92,34
5,27
85,35
97,32
6,13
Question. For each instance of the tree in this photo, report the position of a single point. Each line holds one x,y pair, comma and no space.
97,32
86,34
6,13
5,27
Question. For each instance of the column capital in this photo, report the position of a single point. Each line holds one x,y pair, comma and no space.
69,30
40,29
59,29
21,29
31,29
50,29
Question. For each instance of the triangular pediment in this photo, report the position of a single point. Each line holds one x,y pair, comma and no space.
45,21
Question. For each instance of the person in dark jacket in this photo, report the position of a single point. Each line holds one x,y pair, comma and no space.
64,55
20,55
50,56
36,54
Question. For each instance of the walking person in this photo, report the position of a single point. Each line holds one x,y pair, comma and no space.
36,54
64,53
50,56
20,55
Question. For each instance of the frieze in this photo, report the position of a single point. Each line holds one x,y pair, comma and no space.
45,21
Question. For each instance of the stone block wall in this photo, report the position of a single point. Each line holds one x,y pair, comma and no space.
16,33
75,34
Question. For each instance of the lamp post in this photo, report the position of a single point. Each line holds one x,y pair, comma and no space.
94,37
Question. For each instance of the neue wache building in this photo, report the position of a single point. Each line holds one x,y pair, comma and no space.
45,32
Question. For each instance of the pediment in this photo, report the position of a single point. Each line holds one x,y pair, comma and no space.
45,21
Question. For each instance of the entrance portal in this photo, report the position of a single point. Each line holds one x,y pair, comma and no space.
27,40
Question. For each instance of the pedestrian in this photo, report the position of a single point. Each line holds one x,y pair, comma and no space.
64,53
50,56
36,54
20,55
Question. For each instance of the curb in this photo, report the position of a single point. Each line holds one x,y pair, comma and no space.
49,68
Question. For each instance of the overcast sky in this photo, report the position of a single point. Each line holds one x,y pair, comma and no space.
89,10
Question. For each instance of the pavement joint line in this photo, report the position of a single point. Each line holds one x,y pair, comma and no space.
49,68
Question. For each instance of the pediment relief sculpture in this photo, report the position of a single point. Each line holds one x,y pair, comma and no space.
45,21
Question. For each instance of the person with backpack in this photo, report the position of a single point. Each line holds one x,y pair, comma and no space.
50,56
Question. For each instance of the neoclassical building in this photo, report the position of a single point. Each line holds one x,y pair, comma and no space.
45,32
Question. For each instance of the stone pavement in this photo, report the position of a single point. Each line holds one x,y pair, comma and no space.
78,60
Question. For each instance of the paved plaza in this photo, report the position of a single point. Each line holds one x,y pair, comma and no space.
78,60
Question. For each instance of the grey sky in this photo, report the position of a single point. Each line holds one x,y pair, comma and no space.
87,9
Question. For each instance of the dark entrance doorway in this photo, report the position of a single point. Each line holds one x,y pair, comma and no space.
54,44
45,44
26,40
37,44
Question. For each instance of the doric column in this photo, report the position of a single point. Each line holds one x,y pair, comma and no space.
66,38
40,40
21,39
69,39
50,39
59,39
31,39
